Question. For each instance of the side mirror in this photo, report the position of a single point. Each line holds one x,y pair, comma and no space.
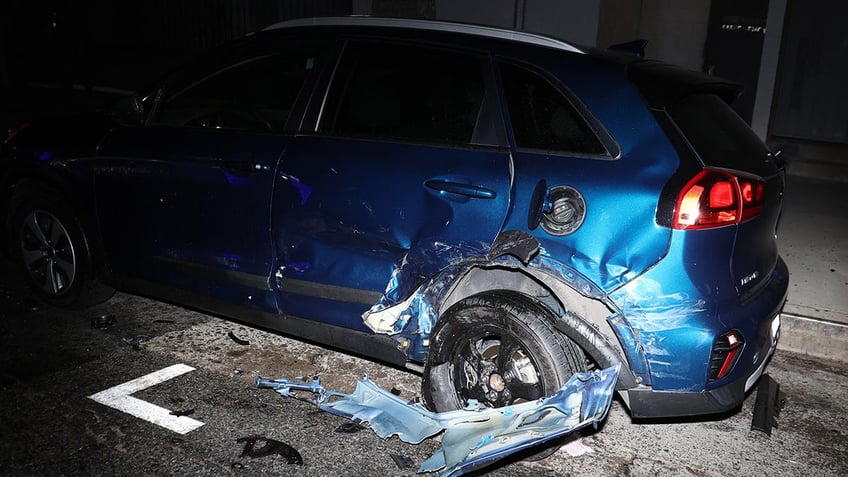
128,111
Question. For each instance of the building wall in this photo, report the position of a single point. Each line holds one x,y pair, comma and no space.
676,30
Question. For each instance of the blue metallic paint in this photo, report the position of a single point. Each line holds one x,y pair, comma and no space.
360,221
182,181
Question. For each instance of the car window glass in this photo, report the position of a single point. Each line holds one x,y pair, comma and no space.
406,92
542,117
253,95
719,136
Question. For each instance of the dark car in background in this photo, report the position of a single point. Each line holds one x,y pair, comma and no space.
495,209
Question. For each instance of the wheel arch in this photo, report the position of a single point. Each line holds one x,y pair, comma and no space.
581,318
19,182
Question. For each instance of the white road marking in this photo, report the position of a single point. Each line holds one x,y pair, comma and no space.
118,397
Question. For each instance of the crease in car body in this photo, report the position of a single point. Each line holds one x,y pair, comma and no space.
473,437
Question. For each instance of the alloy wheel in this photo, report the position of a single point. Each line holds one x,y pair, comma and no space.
48,252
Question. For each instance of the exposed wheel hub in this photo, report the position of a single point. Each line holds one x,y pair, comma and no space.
496,382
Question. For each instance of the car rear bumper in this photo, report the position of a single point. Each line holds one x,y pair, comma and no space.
646,403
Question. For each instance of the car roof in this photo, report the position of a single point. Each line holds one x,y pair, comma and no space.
431,25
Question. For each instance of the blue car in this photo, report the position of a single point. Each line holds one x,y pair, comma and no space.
494,209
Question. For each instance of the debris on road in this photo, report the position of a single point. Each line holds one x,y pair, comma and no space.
473,437
270,447
237,339
768,405
349,428
103,322
137,340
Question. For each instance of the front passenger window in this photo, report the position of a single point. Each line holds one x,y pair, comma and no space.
254,95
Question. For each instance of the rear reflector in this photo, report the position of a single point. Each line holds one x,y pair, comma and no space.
726,351
716,197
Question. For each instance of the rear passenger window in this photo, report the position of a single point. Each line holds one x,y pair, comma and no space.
542,117
406,92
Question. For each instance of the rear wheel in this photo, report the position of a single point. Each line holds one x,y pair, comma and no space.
499,348
52,249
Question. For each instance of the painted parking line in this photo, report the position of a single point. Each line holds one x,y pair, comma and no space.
118,397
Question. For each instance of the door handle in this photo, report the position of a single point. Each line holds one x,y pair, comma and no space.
469,190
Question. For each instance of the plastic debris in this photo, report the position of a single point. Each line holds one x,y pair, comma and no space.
270,447
473,437
103,322
237,339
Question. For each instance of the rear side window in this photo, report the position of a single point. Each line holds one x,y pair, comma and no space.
542,117
719,136
406,92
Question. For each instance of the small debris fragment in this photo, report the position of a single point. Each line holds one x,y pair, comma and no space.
237,339
349,428
402,462
237,466
395,391
186,412
136,341
103,321
576,448
271,447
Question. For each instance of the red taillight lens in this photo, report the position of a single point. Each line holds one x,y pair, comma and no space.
715,197
753,197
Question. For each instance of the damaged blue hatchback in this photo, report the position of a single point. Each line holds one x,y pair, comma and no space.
495,209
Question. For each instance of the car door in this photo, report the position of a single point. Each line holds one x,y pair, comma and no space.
407,158
184,201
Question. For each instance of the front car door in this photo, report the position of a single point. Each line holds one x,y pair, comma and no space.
184,201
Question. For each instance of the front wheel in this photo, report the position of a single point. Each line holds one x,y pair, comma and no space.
499,348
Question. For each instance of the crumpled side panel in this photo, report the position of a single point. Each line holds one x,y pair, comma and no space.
411,311
473,437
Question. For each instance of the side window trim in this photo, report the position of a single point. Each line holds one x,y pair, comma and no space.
610,145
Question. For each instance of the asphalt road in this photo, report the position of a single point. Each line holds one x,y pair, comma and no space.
52,360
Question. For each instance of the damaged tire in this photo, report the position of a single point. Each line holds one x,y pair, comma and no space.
499,348
52,249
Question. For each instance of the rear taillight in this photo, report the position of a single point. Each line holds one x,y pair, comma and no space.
716,197
726,351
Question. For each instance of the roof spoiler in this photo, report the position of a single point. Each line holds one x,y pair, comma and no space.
633,48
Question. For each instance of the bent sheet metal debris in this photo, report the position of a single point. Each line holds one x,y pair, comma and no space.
475,436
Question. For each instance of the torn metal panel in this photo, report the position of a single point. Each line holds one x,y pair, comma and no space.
410,308
475,436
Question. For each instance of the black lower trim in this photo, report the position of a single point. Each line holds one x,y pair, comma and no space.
374,346
646,403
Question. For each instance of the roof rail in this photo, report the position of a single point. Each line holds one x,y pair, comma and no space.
433,25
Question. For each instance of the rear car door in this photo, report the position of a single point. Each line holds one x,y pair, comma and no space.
405,154
184,201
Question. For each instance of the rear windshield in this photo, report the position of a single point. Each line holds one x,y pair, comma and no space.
719,136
